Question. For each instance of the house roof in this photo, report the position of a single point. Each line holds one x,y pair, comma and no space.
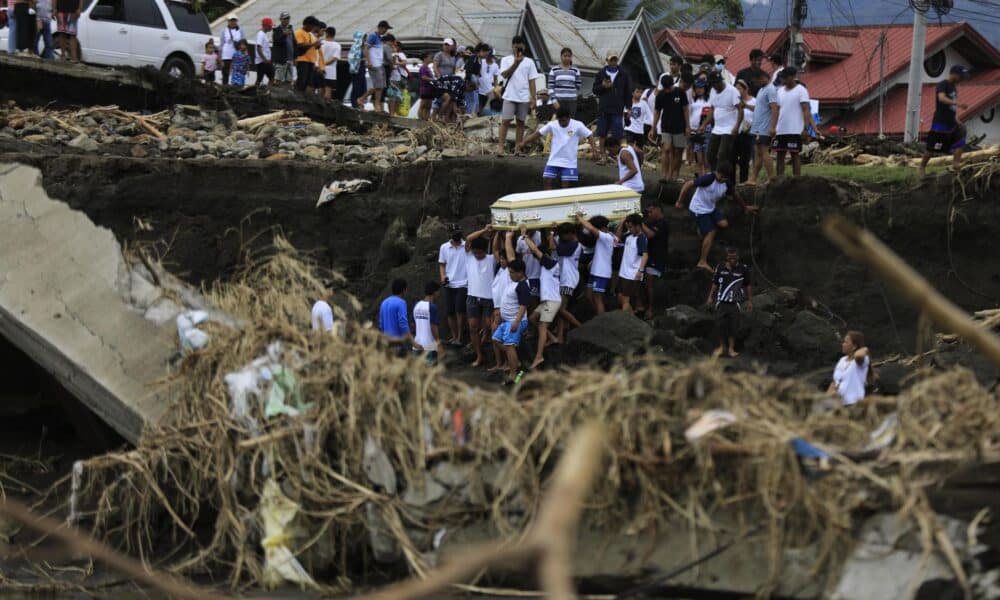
844,61
427,22
979,93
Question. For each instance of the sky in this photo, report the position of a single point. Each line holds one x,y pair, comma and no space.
983,14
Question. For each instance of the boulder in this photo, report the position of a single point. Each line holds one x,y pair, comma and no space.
811,339
84,142
163,311
951,355
612,335
686,321
892,378
428,492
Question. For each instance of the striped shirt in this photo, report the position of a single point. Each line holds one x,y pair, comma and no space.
564,83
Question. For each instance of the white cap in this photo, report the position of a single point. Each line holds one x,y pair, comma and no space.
449,41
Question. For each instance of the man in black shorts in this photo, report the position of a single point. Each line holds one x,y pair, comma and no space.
731,294
655,228
946,134
454,279
791,120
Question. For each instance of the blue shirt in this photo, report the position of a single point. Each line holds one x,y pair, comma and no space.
392,317
762,112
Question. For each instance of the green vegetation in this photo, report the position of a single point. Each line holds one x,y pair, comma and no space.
880,175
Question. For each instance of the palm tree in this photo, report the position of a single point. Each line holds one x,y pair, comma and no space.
664,13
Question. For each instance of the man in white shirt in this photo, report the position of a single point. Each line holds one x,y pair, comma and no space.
262,53
725,116
480,267
454,279
331,54
789,120
489,74
519,72
322,313
600,266
230,36
566,135
425,318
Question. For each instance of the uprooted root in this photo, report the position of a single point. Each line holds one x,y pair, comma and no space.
207,466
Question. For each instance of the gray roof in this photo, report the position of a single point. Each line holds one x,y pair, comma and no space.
427,22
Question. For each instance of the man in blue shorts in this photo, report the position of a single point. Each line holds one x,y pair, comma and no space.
513,319
566,135
947,135
600,267
614,99
708,190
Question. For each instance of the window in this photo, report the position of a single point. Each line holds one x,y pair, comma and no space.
144,13
935,64
186,18
109,10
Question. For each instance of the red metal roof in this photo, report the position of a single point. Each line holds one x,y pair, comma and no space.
853,73
980,92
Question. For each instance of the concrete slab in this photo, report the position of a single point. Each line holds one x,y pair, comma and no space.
60,303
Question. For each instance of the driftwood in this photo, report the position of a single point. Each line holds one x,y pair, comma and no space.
141,122
866,248
990,152
253,122
549,542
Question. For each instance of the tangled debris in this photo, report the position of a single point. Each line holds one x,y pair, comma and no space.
192,132
374,461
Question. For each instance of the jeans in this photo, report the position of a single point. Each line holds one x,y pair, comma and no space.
720,149
45,34
744,153
11,32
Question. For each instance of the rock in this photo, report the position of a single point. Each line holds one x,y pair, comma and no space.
421,150
315,129
163,311
453,153
952,355
811,339
611,335
891,378
452,475
383,164
36,138
278,156
142,293
788,297
377,467
138,151
686,321
422,495
765,302
313,152
384,545
290,146
401,150
671,344
84,142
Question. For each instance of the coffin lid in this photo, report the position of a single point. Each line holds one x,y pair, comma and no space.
558,197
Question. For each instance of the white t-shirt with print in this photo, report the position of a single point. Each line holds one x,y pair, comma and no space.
517,85
453,258
601,265
790,119
850,379
330,48
488,73
565,142
638,116
724,104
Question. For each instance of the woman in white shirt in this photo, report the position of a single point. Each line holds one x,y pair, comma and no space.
853,370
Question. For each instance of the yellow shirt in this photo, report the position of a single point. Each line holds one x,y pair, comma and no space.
304,38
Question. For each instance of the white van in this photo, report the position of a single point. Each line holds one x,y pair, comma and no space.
166,34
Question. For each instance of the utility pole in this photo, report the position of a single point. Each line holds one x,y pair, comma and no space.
881,86
912,131
796,54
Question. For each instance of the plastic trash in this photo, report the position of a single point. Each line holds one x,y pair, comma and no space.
191,337
277,512
350,186
712,420
884,435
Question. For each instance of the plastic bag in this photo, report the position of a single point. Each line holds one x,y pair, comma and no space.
404,105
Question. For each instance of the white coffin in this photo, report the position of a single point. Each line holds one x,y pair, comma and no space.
549,208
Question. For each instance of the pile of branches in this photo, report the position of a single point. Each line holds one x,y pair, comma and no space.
205,468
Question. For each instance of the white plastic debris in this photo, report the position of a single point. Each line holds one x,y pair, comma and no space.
191,337
710,421
277,512
350,186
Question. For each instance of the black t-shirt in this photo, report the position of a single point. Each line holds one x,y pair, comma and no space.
658,244
671,106
730,282
944,114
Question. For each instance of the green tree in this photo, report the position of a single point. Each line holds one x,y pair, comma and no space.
663,13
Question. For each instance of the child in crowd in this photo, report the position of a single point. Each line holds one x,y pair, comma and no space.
568,249
551,300
426,87
241,64
210,62
427,320
600,267
698,113
637,119
634,259
513,319
566,135
503,253
708,190
480,267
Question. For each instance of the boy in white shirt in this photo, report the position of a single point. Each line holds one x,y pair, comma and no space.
322,314
427,320
262,53
600,267
331,54
568,251
638,118
451,267
634,259
566,135
551,303
480,267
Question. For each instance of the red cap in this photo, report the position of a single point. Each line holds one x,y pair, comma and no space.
266,22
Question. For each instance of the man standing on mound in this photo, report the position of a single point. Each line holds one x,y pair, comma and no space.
731,293
708,190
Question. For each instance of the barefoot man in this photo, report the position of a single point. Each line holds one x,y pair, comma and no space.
731,294
708,190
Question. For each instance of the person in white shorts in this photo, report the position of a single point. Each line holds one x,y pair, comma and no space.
551,299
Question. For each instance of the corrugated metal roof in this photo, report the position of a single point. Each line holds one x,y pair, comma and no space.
982,92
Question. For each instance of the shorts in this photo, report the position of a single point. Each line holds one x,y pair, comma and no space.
727,319
377,76
66,23
654,271
508,335
514,110
454,300
788,143
699,147
303,75
707,223
536,287
598,284
762,140
284,72
208,76
677,140
565,290
568,103
395,90
478,308
563,173
635,139
265,69
613,122
548,310
330,83
628,287
944,139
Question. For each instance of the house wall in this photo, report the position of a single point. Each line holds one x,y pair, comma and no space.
976,126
